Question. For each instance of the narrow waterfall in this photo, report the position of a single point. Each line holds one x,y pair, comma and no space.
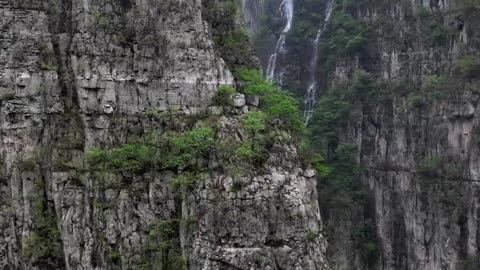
311,95
286,8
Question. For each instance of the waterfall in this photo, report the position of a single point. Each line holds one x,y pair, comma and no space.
311,95
286,8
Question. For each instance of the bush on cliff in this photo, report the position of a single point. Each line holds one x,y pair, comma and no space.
277,104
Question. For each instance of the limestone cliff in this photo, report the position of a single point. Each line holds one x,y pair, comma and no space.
396,122
82,74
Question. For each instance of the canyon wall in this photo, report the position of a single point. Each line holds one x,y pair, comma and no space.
80,76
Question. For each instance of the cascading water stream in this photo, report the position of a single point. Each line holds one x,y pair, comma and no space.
286,8
311,95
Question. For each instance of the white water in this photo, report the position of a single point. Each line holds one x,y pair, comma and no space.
286,8
311,95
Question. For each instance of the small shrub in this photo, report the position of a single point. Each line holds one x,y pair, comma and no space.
471,6
177,262
97,157
416,101
29,164
236,186
435,86
190,145
321,166
47,60
255,122
312,236
156,114
224,95
183,181
345,36
115,257
38,248
430,166
468,67
251,76
164,230
453,171
435,35
276,103
131,157
247,152
44,246
231,8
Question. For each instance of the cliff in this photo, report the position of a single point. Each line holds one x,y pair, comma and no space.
395,128
111,145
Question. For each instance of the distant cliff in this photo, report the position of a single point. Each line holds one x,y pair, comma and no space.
395,128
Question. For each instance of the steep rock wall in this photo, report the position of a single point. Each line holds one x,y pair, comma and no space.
82,74
415,196
420,163
426,218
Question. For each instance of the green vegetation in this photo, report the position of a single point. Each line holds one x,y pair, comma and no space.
129,157
345,37
432,28
250,153
47,59
235,41
163,247
471,8
236,186
435,86
336,108
341,191
468,67
275,103
137,158
306,23
43,247
367,244
430,166
417,101
224,96
190,145
255,122
312,236
435,34
185,181
114,257
230,39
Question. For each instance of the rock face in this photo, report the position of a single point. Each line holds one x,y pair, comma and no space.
415,136
75,75
421,163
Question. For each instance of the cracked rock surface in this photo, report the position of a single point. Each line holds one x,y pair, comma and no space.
82,74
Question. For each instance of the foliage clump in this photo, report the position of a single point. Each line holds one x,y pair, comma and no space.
163,247
170,152
468,67
129,157
224,95
43,247
275,103
345,36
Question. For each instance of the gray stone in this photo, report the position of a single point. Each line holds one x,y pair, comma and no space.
239,100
